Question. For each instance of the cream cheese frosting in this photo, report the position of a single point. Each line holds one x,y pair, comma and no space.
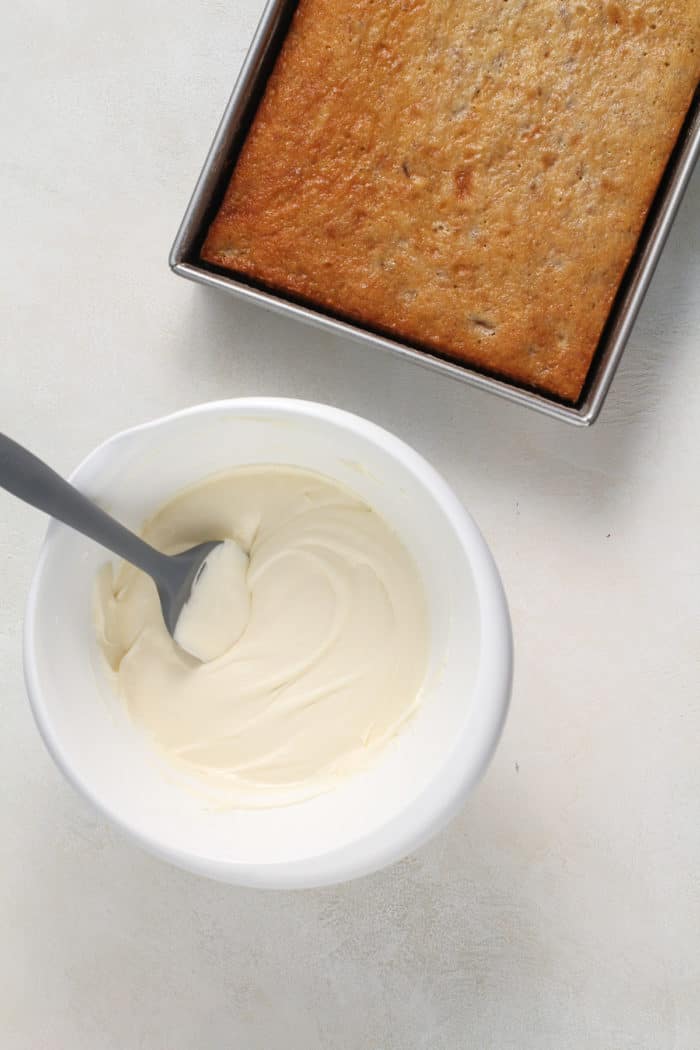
329,664
218,609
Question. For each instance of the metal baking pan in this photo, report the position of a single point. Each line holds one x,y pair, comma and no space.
184,256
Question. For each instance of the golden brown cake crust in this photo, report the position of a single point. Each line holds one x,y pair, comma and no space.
470,176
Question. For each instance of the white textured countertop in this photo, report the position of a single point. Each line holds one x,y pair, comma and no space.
561,909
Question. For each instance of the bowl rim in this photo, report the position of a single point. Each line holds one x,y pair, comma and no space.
466,762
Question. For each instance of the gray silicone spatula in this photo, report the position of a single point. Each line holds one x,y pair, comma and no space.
26,476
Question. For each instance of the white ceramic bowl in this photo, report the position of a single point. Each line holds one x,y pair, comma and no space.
421,778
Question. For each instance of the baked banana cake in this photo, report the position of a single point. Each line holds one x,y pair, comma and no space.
470,176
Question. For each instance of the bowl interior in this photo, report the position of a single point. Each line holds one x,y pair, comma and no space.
85,725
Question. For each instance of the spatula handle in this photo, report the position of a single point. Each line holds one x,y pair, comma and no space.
31,480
